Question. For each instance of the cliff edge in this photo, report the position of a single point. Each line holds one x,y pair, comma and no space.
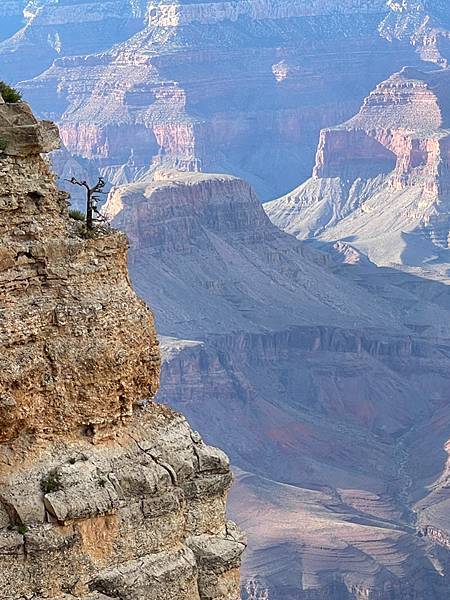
103,493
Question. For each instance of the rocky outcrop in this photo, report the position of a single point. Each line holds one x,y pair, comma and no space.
102,492
310,368
381,179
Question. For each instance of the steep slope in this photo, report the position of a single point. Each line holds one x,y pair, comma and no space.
238,87
222,216
103,494
381,180
309,375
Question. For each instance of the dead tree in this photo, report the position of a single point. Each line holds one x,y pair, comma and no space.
92,199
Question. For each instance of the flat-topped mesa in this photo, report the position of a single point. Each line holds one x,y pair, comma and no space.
70,357
402,128
96,499
175,209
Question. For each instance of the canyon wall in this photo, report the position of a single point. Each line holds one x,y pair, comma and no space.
381,180
237,87
312,370
324,376
103,493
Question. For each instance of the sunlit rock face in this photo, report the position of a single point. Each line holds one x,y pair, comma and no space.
103,493
312,368
45,265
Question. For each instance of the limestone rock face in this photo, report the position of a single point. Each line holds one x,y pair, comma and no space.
22,134
63,328
102,492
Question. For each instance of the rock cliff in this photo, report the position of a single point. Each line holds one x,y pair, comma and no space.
103,493
311,373
381,180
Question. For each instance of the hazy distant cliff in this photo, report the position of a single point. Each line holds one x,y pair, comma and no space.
382,179
238,87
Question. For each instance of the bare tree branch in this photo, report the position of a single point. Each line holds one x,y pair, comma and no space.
91,199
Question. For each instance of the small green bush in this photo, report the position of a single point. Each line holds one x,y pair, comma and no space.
3,146
9,94
51,482
22,529
78,215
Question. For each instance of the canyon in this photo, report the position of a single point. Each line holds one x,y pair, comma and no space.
237,87
308,337
313,372
104,494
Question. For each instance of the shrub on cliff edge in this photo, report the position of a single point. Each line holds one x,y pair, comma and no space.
9,94
77,215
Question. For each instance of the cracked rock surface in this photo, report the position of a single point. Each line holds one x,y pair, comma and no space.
103,493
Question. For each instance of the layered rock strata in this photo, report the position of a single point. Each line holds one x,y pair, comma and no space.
211,86
424,23
103,494
310,367
381,180
214,86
